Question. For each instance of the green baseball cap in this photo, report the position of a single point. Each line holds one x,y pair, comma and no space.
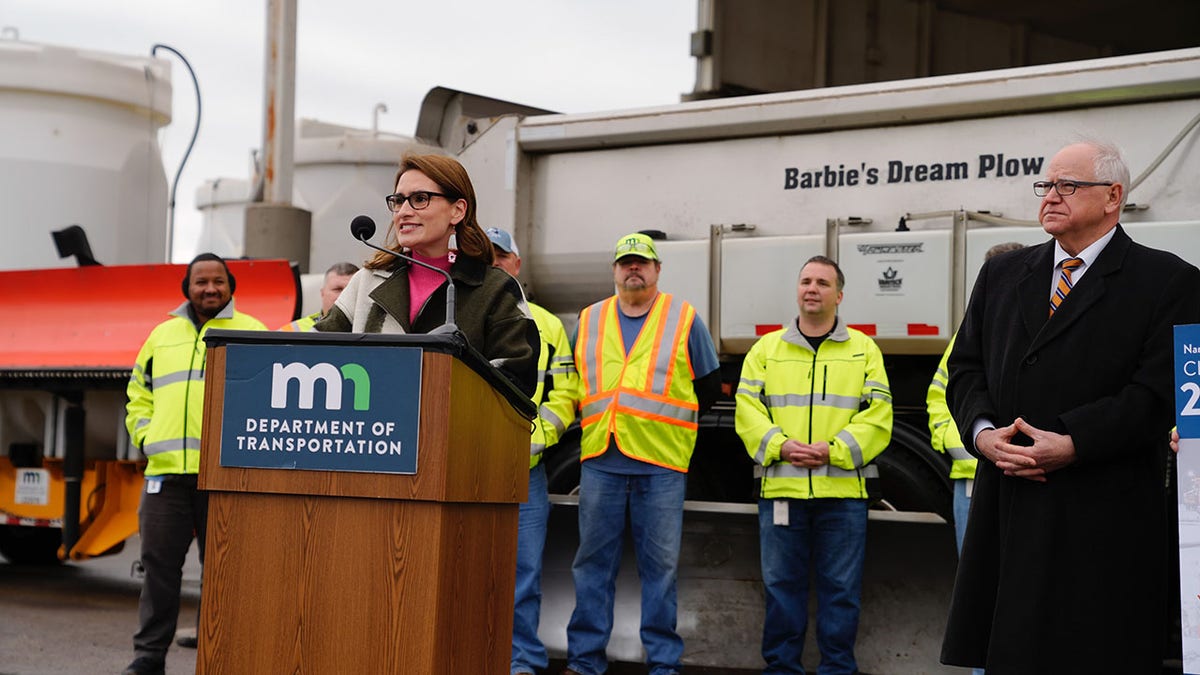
635,244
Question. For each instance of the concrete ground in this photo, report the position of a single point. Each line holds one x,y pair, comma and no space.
80,617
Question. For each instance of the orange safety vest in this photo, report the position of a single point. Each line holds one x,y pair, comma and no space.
644,399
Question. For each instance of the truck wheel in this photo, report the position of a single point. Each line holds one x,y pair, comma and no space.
30,545
907,482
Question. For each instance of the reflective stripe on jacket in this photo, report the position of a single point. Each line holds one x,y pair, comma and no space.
302,325
943,432
166,390
645,401
839,395
557,384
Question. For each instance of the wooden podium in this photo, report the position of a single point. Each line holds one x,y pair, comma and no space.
356,572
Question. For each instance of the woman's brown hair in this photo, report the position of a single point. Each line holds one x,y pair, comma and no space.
453,180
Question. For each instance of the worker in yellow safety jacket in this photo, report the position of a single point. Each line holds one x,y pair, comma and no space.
164,415
813,409
648,370
944,434
555,398
945,437
336,278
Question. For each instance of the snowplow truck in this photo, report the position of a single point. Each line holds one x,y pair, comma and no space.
906,184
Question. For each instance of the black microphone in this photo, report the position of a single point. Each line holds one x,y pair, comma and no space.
363,228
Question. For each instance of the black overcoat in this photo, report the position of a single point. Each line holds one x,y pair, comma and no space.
1067,576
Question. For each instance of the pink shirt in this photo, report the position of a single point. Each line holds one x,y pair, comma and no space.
423,282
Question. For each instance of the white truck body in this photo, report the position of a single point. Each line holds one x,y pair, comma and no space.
829,171
569,185
745,191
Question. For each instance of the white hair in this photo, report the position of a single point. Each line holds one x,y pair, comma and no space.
1108,165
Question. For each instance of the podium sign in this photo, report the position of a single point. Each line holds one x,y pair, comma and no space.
358,562
322,408
1187,418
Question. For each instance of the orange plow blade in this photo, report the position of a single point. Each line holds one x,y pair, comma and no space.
97,317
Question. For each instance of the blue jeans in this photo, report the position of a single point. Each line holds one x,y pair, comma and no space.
962,507
655,507
831,534
528,652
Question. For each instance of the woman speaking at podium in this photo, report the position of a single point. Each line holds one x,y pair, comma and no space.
434,199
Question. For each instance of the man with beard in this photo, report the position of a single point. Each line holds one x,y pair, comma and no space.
164,415
648,370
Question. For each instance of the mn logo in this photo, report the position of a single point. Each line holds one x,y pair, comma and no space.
306,378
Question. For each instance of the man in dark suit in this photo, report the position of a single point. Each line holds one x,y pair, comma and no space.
1061,382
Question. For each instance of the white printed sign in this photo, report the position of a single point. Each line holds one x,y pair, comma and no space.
33,487
1187,417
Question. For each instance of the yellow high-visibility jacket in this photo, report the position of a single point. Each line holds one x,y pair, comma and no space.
166,390
646,399
302,325
943,432
557,384
838,394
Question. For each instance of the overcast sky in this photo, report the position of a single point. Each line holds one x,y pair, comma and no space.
563,55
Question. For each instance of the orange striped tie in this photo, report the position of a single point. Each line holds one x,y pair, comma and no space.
1064,282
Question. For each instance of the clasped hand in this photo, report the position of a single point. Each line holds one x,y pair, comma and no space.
1049,452
807,455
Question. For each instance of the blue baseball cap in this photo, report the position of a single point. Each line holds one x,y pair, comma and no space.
503,240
